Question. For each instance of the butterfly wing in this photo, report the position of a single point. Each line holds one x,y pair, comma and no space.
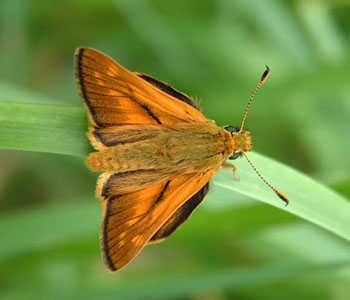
180,215
115,96
131,220
168,89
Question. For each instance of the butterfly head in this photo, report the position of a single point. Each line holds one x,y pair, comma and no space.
242,141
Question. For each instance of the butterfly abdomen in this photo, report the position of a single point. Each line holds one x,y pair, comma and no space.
124,158
185,146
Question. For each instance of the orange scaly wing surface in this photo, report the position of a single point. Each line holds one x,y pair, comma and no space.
131,220
115,96
180,215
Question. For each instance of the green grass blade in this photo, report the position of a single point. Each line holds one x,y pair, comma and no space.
61,129
43,127
309,199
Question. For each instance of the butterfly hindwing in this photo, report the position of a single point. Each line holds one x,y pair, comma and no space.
131,220
180,215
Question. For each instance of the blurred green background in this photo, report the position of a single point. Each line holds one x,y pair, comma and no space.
214,51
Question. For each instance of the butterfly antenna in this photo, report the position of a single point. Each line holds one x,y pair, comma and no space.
278,193
263,79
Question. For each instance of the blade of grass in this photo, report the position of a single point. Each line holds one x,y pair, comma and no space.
293,240
309,199
60,129
43,127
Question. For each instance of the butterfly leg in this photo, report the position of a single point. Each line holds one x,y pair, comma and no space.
234,168
235,176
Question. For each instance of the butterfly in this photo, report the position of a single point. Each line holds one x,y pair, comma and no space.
155,149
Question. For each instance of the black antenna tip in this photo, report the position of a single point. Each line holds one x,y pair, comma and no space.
265,74
283,198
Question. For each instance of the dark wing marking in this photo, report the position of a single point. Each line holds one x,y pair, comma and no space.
165,87
180,215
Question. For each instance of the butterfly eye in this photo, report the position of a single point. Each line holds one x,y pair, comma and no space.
235,155
231,129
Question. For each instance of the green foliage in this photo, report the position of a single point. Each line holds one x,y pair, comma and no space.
43,127
233,246
308,199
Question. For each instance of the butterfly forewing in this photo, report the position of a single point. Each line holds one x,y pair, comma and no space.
168,89
116,96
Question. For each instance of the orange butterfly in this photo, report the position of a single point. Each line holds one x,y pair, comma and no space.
156,150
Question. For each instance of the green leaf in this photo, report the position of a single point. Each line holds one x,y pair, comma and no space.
293,240
309,199
60,129
43,127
